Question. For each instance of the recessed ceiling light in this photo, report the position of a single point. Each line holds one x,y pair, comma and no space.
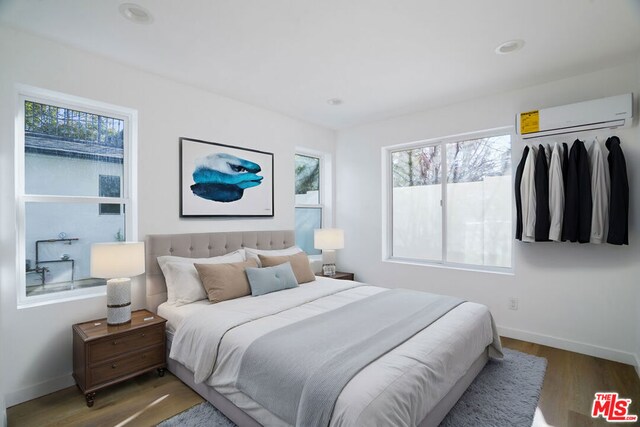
135,13
509,47
334,101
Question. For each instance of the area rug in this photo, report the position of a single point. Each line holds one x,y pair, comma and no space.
505,394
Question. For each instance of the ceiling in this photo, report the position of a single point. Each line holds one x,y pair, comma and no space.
383,58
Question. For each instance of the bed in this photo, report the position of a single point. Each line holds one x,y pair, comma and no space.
415,383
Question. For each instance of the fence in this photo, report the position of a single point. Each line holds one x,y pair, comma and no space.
72,125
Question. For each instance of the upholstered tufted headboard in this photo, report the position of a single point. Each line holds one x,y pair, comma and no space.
202,245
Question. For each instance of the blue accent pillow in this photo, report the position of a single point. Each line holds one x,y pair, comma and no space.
271,279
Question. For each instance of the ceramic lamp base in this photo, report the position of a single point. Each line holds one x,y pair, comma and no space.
328,262
329,270
118,301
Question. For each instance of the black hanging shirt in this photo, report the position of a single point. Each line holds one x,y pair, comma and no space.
519,171
576,225
543,217
619,198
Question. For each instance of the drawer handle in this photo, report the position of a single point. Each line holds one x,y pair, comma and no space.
115,342
143,334
144,356
114,366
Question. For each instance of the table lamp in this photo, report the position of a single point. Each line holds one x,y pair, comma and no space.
117,262
328,239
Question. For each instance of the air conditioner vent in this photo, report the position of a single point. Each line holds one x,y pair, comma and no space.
612,112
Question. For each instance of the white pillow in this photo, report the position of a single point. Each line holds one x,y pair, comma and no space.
183,282
251,253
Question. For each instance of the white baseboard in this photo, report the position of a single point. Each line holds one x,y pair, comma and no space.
15,397
577,347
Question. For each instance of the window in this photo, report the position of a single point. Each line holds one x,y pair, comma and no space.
109,186
309,209
74,189
451,202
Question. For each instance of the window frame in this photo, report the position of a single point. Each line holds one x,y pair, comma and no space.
387,200
325,188
128,195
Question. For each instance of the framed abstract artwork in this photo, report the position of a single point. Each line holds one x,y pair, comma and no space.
224,181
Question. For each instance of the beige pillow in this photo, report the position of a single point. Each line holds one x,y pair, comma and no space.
299,264
183,284
251,253
222,282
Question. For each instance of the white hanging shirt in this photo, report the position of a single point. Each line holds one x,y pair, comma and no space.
599,193
528,195
556,193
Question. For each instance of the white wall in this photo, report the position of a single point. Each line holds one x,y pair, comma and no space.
37,341
579,297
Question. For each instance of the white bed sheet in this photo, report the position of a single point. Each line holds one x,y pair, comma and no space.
399,389
175,315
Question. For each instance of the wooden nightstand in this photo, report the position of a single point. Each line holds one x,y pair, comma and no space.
104,355
340,275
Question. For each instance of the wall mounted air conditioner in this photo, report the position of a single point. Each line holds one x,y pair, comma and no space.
612,112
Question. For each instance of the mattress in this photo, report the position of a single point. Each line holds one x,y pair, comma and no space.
176,314
400,388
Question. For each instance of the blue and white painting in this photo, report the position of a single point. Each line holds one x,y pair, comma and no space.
222,180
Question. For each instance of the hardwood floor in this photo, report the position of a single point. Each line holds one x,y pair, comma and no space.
571,381
142,401
567,394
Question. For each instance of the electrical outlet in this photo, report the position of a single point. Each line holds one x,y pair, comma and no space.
513,303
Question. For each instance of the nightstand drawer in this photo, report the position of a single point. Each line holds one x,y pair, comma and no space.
107,348
125,365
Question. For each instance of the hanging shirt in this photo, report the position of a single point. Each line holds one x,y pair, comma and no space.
547,151
565,174
599,194
576,224
528,193
518,193
565,163
542,196
619,197
556,194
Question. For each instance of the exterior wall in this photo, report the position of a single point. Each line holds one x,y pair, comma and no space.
167,110
477,212
579,297
68,176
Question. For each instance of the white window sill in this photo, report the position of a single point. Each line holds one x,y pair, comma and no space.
60,297
462,267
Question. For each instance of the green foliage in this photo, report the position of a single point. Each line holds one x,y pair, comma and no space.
307,174
119,236
72,125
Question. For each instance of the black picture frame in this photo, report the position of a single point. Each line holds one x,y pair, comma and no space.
231,181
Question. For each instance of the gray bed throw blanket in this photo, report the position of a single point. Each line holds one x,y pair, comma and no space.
298,371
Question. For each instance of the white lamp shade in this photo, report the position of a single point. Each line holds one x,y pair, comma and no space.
116,260
328,238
